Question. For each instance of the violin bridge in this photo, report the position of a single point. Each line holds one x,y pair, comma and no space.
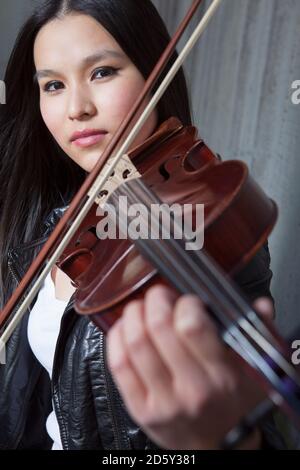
123,172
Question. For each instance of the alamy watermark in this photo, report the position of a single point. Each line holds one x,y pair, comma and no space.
2,92
295,98
158,221
295,359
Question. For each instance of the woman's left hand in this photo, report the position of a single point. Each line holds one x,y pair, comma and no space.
179,382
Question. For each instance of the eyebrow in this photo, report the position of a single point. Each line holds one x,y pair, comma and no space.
90,60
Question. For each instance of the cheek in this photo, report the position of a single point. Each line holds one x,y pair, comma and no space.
116,104
53,118
119,99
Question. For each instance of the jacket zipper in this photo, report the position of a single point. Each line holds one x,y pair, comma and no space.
55,397
20,428
110,398
12,271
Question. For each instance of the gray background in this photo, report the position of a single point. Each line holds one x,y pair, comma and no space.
240,78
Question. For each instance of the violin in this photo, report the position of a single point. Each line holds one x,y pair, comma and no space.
173,166
177,167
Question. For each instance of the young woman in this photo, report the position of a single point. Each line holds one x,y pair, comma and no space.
78,65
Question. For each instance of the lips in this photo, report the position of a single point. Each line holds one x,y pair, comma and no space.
88,137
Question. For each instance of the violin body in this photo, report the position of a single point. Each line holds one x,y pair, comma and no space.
179,168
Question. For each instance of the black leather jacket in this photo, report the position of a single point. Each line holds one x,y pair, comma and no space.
90,412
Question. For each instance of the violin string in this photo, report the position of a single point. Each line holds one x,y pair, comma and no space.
224,283
207,298
239,343
233,338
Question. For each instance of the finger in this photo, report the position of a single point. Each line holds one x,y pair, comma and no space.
143,355
265,308
197,331
128,382
188,376
199,335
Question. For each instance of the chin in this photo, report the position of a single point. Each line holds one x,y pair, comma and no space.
90,164
86,162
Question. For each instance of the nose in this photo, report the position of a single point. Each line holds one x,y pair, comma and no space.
81,104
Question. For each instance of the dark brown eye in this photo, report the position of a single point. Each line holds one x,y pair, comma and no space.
54,85
103,72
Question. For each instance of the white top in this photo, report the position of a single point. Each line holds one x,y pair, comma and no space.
43,329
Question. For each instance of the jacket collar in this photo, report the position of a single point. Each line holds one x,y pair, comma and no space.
21,256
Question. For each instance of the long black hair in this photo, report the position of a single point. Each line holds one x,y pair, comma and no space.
35,174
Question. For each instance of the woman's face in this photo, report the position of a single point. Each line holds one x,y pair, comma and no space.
86,83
